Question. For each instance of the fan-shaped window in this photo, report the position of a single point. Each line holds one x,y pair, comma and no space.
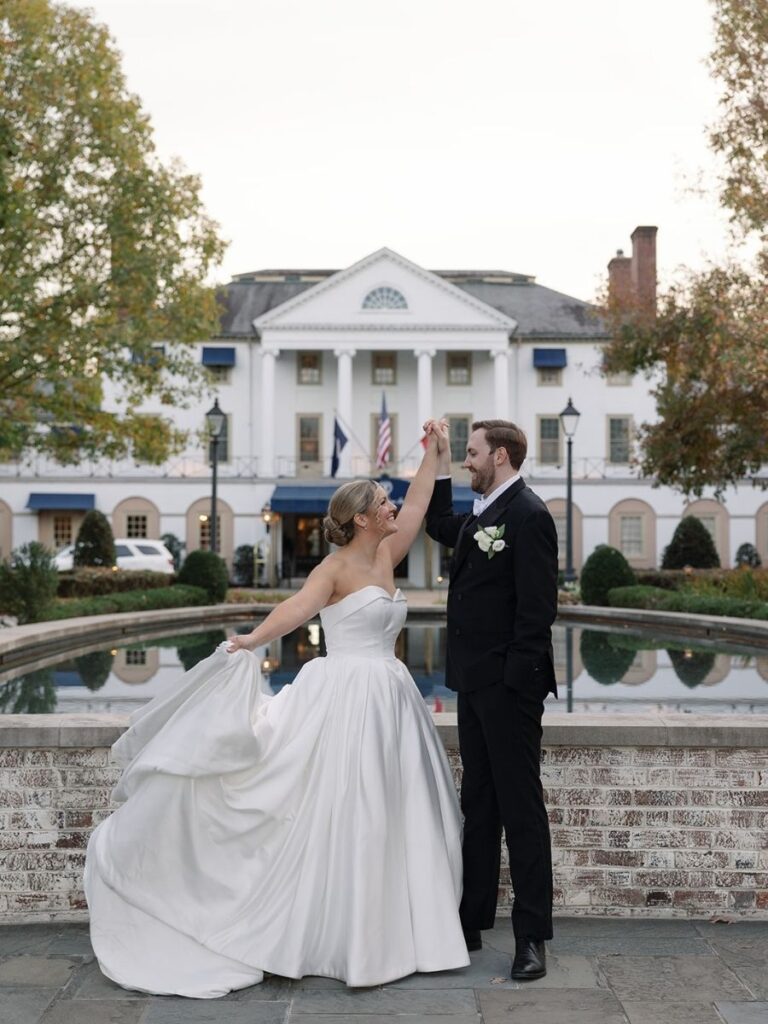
385,298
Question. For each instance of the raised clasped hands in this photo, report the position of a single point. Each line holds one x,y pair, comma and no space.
437,431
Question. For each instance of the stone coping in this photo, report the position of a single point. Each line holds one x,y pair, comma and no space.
560,729
710,627
22,644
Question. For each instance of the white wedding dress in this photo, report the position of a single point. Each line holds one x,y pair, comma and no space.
316,831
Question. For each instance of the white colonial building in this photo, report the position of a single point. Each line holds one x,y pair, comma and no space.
298,349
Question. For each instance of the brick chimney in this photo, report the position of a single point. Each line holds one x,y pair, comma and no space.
632,280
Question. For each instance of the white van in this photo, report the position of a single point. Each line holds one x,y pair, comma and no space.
133,553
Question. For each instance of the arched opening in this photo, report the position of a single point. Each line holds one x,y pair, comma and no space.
558,508
198,534
716,519
632,529
136,517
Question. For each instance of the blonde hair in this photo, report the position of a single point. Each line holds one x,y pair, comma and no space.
348,501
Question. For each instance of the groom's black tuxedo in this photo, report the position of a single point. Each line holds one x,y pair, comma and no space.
499,659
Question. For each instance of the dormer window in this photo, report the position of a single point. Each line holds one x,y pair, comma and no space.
385,298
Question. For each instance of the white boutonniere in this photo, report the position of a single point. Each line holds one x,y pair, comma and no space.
489,539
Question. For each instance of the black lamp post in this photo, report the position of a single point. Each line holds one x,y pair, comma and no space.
216,420
569,418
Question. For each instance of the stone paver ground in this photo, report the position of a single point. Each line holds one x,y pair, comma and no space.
600,972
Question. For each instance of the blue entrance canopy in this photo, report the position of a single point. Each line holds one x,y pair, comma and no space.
313,499
310,500
218,356
44,502
549,358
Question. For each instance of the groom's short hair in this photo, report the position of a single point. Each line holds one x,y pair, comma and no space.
503,434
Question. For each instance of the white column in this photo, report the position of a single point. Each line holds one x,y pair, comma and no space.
344,357
267,447
501,384
424,408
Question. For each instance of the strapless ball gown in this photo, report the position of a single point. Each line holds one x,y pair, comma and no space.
314,832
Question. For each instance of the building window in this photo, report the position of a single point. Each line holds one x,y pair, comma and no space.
309,438
205,532
549,376
384,368
222,453
458,368
135,656
219,374
631,536
385,298
62,531
618,439
136,525
549,440
622,379
458,430
309,368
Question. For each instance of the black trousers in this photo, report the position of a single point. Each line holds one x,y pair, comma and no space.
500,743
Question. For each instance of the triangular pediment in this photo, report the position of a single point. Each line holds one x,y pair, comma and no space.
384,291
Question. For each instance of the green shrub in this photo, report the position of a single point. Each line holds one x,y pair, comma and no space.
667,579
175,546
94,668
605,568
692,545
243,565
691,667
92,582
30,694
205,569
28,582
748,555
656,599
177,596
94,544
604,662
202,645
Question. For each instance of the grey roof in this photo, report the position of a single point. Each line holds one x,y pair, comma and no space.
540,312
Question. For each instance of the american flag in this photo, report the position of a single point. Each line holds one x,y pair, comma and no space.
384,446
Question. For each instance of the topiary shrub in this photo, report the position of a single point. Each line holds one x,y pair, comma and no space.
94,544
605,568
94,668
205,569
243,565
175,546
692,545
199,646
748,555
92,581
604,662
28,582
692,667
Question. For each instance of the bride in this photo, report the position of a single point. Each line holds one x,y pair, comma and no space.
312,832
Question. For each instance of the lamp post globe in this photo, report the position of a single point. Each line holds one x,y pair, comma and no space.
569,418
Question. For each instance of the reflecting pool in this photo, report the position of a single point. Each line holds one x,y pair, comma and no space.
598,670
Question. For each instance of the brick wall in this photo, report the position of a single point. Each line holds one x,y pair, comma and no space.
654,830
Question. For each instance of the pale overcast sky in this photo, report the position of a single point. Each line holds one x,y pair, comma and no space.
492,134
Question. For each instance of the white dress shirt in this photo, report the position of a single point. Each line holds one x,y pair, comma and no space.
481,504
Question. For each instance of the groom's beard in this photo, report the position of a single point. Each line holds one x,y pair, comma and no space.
481,479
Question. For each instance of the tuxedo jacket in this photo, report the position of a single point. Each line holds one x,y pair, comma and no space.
500,609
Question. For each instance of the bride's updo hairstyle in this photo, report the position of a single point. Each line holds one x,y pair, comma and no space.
350,500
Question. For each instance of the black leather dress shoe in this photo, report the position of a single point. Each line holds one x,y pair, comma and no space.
473,940
530,960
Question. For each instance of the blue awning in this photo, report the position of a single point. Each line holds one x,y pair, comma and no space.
463,498
218,356
549,358
311,500
40,502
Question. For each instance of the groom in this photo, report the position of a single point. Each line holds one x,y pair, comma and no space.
502,601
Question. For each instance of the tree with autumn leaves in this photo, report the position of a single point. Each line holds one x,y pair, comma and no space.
705,350
104,251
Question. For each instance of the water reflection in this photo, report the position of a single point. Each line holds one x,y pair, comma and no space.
597,670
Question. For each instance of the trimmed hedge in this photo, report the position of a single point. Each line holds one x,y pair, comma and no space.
178,596
605,568
692,545
94,544
93,582
656,599
207,570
